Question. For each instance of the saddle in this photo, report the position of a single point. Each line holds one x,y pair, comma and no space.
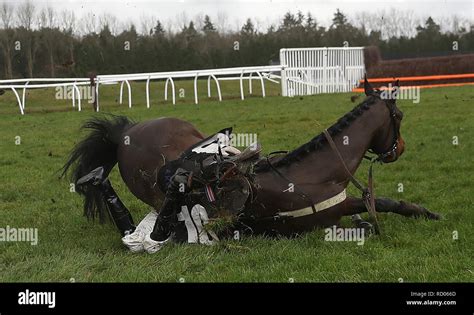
219,176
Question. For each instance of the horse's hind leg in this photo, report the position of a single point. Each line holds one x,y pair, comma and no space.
354,206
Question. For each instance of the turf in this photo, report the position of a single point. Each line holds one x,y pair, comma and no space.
433,171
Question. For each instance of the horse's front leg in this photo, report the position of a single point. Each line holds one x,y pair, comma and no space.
354,206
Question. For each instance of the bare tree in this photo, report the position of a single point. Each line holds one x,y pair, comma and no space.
170,30
26,13
48,27
6,15
181,21
454,24
147,24
199,21
109,21
392,23
6,36
47,18
408,24
89,24
237,25
222,22
362,21
259,24
67,21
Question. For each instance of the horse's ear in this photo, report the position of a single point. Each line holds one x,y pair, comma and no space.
368,89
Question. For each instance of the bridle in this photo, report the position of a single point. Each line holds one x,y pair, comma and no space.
368,192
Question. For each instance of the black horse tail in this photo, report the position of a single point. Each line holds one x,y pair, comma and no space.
99,148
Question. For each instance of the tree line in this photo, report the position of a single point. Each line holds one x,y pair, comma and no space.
44,43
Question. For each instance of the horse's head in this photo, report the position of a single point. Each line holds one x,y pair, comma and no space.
388,144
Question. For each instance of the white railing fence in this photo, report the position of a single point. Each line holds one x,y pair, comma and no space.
309,71
240,74
303,71
42,83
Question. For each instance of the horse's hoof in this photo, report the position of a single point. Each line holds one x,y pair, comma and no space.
367,226
432,215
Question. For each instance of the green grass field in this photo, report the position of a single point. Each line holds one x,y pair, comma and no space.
433,171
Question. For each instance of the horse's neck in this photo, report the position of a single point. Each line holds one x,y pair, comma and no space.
352,143
320,174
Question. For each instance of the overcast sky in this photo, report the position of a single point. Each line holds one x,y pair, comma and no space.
264,12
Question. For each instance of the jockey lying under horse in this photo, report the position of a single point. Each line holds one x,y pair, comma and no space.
210,175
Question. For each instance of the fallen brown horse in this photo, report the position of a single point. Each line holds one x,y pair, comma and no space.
314,175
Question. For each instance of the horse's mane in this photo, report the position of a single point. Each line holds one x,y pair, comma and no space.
318,141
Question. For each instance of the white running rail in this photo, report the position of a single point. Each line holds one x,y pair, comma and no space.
41,83
260,73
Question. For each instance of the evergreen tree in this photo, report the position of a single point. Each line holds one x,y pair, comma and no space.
310,22
339,20
208,26
158,30
430,29
248,28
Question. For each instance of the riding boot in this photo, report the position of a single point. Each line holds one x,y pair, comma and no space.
167,217
119,213
165,221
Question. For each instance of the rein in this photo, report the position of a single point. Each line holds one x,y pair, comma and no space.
368,195
367,192
301,193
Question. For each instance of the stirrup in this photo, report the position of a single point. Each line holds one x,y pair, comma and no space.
95,177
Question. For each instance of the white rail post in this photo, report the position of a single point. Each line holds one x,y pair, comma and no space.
242,85
196,88
148,92
129,94
97,82
283,72
121,92
173,91
209,86
250,83
170,79
219,94
19,101
74,87
24,95
262,83
73,95
325,62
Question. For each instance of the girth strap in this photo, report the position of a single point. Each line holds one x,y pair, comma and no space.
328,203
